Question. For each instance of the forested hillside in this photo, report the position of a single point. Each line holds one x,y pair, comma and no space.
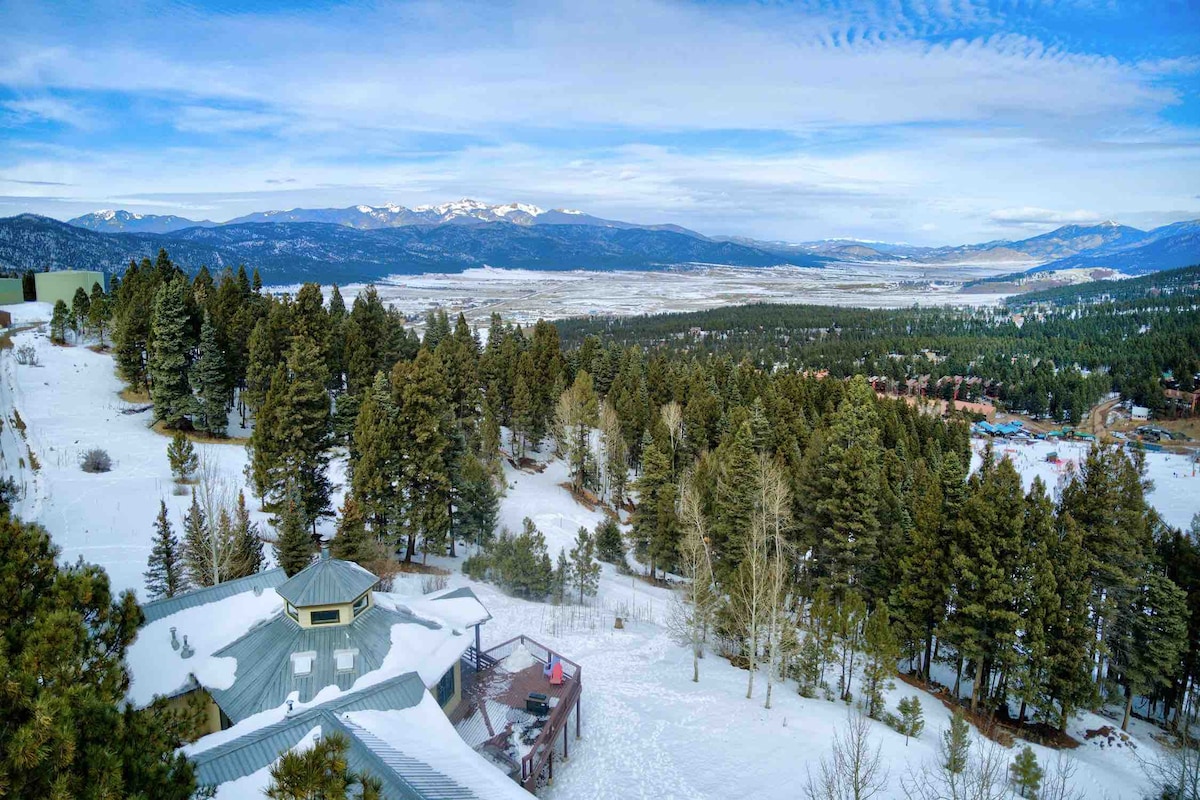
1053,353
818,524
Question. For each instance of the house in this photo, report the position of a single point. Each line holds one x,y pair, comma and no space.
1139,412
275,661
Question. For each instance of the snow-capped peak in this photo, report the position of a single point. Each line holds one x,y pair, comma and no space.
505,210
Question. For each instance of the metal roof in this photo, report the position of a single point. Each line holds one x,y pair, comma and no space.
251,752
259,582
465,593
327,582
264,676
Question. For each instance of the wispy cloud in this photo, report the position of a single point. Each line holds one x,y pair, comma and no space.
958,119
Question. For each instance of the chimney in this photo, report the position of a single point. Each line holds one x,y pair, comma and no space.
187,651
324,552
174,640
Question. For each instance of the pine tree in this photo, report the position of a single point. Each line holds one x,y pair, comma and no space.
912,721
320,773
919,598
881,653
165,576
248,547
208,381
376,466
181,455
168,367
478,503
563,576
1025,774
80,305
956,744
293,544
655,528
1150,634
489,429
60,320
610,546
68,730
577,413
260,366
197,546
423,416
733,502
585,569
98,313
353,541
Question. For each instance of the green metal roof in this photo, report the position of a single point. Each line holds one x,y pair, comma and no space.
259,582
251,752
264,678
327,582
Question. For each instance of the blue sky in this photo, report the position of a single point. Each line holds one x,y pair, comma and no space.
929,121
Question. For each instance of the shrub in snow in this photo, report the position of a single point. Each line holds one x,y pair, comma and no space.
433,583
95,460
27,355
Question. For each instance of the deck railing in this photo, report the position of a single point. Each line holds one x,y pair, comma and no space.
537,766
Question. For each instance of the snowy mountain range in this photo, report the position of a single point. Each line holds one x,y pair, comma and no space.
461,212
368,242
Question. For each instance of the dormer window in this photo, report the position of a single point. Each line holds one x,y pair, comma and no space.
302,663
360,605
292,612
329,617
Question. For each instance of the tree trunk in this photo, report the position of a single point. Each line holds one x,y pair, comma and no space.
1128,708
978,683
958,668
927,666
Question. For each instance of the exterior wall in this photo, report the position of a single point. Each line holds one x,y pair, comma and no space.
346,611
210,722
61,285
11,291
453,702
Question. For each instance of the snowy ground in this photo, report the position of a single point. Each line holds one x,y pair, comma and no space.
648,730
69,404
525,295
1176,487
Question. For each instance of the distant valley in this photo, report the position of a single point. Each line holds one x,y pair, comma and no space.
365,243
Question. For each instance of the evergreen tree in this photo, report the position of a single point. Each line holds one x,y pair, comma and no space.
478,503
181,455
881,652
98,313
60,320
260,366
563,575
68,730
375,477
80,306
655,528
956,744
1150,634
208,381
919,598
423,417
610,546
248,547
321,773
585,569
353,541
165,575
168,367
1025,774
577,413
293,544
912,720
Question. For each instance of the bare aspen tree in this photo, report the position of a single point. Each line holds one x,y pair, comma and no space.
698,600
776,503
1175,770
213,556
616,455
854,770
672,419
749,594
964,770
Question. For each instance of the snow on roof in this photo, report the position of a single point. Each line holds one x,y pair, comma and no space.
254,786
454,608
424,733
156,668
259,581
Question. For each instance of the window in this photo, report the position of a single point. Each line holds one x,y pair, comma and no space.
445,687
333,615
292,612
344,660
302,663
360,605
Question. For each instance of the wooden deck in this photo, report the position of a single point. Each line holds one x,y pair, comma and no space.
492,716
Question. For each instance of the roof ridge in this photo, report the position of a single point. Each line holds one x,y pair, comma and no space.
417,775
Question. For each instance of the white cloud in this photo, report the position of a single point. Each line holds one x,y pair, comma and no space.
1029,216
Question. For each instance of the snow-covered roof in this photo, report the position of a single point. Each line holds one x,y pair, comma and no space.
259,581
328,581
156,667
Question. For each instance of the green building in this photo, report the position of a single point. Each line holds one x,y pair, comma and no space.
61,284
11,292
